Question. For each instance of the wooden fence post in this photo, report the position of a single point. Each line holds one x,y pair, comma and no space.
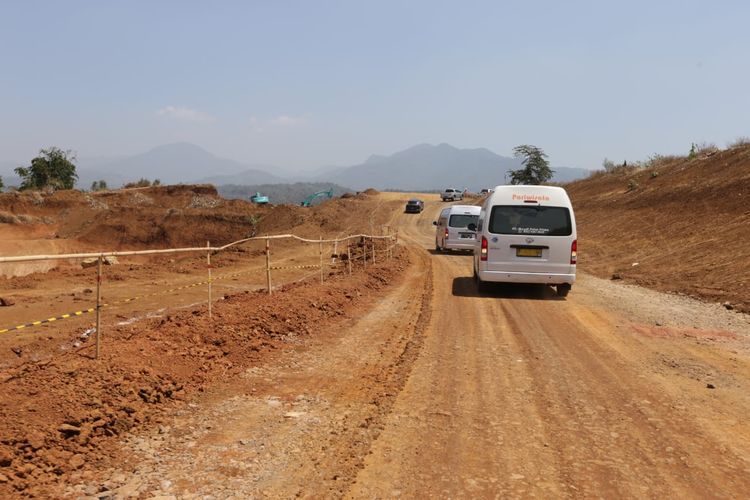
320,251
349,256
98,305
208,263
268,265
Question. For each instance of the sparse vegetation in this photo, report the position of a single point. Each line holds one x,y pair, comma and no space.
99,185
52,169
253,221
535,169
632,185
1,184
693,151
608,165
739,142
142,182
280,193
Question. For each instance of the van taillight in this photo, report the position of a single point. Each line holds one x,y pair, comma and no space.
574,252
483,252
446,233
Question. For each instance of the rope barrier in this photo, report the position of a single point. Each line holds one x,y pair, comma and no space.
121,301
100,255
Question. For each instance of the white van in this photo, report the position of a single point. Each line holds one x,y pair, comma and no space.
452,231
526,234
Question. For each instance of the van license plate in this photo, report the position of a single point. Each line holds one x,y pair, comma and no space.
528,252
467,235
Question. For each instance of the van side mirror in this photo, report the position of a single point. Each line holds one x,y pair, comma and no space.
472,227
434,223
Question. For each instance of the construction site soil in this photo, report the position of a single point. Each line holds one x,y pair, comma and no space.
680,225
61,412
398,378
68,411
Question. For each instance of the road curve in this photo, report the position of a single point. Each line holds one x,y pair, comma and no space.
518,393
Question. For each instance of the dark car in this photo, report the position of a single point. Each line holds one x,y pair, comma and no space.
414,206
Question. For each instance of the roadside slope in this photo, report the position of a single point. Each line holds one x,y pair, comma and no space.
686,225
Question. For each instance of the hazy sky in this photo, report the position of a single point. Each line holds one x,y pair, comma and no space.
310,83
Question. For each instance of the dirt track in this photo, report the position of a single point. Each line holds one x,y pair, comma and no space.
520,394
440,392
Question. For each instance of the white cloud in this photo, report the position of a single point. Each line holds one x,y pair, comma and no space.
288,121
255,124
185,114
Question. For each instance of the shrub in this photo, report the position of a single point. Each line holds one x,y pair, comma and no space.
632,185
142,182
99,185
739,142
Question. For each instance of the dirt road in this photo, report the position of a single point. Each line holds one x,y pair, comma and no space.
440,392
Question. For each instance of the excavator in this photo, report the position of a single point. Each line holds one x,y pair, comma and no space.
259,199
320,194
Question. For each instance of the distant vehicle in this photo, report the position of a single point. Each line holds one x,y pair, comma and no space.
451,194
452,232
320,194
414,206
485,191
526,234
259,199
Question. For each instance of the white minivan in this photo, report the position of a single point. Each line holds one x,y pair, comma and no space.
526,234
452,231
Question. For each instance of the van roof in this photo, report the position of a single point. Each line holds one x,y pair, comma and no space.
518,195
464,209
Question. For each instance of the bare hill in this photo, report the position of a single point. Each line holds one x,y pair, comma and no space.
434,167
680,225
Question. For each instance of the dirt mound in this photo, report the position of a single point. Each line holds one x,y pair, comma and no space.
678,225
61,416
163,217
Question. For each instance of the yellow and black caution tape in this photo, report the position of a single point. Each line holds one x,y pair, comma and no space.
123,301
49,320
295,267
75,314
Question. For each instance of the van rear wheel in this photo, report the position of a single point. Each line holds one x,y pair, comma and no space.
563,290
482,286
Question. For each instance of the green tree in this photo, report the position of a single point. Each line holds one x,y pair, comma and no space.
143,182
535,166
1,184
53,168
99,185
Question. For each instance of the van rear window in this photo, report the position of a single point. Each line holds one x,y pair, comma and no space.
460,220
542,221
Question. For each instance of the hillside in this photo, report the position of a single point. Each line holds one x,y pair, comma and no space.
683,229
155,217
425,167
280,193
183,162
420,168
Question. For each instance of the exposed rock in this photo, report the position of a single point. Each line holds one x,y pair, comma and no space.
69,429
77,461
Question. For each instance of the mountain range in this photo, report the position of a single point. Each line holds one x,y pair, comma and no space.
420,168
